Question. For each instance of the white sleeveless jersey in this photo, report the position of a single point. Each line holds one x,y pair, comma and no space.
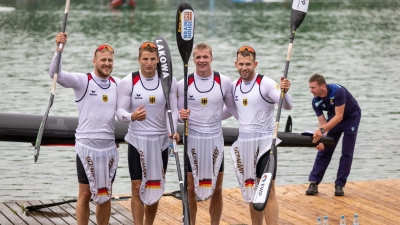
96,109
154,102
254,106
205,106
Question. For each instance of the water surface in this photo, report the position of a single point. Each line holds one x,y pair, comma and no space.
353,43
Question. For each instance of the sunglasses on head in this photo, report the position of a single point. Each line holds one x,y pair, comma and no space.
248,48
151,44
102,47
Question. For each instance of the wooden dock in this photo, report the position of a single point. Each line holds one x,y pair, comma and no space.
376,202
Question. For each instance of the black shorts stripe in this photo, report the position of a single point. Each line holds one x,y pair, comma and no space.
82,178
135,168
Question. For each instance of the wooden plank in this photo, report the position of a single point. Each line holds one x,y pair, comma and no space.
123,211
169,211
70,208
118,216
295,206
19,208
44,214
93,206
235,209
4,220
59,212
11,215
37,215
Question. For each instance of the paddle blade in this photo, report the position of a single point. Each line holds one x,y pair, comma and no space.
299,11
264,187
164,66
42,124
185,30
288,127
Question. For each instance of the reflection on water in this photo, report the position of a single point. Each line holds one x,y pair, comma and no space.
354,43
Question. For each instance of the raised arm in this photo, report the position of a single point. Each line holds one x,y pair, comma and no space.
273,91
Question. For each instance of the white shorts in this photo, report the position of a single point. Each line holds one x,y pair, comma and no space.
246,152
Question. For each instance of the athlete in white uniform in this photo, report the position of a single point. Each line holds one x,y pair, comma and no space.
255,98
142,104
208,91
97,154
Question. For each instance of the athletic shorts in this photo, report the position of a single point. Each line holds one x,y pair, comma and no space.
221,169
135,167
82,178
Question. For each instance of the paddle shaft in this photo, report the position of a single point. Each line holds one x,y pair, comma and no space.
184,38
37,207
264,187
185,202
53,87
278,114
185,141
299,10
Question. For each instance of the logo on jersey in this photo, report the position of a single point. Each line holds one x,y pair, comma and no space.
239,164
152,99
93,93
277,87
105,98
191,98
193,151
204,101
318,103
245,103
138,96
236,98
332,101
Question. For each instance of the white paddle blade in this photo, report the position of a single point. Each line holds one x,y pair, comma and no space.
299,11
262,193
300,5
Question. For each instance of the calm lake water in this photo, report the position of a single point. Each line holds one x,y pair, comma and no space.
353,43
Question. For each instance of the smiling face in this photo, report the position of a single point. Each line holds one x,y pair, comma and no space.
246,66
103,62
202,58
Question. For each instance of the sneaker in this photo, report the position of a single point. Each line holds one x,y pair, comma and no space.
339,191
312,189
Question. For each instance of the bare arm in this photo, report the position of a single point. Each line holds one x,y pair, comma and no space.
66,79
124,103
230,106
339,110
183,113
173,102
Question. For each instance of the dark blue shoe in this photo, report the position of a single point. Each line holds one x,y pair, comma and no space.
312,189
339,191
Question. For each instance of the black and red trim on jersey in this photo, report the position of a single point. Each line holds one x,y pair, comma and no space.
90,77
217,79
258,81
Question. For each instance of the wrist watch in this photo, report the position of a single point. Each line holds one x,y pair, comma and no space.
322,130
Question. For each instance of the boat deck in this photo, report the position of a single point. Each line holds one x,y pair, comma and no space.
376,202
